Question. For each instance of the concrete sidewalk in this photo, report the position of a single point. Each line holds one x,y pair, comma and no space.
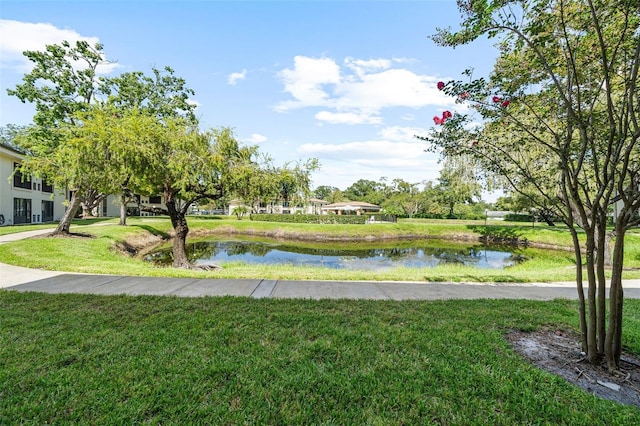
24,279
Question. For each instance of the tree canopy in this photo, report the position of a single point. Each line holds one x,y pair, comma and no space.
559,124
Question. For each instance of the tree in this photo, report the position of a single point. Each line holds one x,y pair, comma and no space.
560,116
294,183
324,192
162,96
186,166
329,193
402,198
62,83
9,134
366,190
457,183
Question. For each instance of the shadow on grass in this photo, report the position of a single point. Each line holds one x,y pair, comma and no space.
205,217
504,235
90,221
474,279
153,231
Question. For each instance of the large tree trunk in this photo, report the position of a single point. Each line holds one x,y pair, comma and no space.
69,214
181,229
123,210
87,211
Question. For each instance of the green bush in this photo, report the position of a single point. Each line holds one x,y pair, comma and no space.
311,218
518,217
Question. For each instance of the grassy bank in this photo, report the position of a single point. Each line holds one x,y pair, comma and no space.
128,360
98,254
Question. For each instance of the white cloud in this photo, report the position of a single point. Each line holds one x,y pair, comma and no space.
361,67
348,117
306,80
16,37
396,153
378,153
402,134
256,138
234,77
357,92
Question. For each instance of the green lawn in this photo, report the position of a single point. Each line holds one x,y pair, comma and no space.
74,359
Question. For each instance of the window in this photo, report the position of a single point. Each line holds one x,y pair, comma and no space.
18,180
21,210
47,211
155,200
46,187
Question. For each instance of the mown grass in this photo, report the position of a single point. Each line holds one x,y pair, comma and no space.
97,254
80,359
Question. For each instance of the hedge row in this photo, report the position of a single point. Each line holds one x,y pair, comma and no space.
313,218
518,217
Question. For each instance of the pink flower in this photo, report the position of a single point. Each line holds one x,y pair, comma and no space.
496,99
505,103
446,114
440,85
437,120
464,95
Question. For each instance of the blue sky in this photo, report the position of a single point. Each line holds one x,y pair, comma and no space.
347,82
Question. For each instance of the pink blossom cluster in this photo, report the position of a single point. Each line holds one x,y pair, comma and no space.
464,95
440,120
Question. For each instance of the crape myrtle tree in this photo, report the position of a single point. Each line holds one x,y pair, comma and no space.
64,80
559,118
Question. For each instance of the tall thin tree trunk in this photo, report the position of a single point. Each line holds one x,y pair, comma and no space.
592,336
69,214
613,345
123,210
600,257
582,305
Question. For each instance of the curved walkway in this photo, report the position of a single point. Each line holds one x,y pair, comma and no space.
25,279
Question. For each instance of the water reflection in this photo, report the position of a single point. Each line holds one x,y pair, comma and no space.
360,256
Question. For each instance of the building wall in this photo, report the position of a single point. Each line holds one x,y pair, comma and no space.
111,206
33,202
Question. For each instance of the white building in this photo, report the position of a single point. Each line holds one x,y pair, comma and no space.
25,199
110,207
311,206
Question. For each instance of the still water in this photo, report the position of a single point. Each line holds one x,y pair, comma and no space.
358,256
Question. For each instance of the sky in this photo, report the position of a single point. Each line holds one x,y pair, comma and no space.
347,82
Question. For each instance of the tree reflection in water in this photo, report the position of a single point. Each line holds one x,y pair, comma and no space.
367,256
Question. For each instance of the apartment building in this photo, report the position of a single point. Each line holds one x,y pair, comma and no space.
25,199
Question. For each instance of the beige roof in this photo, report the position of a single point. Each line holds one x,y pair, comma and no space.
351,205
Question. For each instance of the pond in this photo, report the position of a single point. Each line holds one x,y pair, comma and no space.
373,256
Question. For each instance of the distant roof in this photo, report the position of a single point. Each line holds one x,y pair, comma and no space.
351,205
318,200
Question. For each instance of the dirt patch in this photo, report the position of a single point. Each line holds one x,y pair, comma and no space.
67,235
559,353
139,245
